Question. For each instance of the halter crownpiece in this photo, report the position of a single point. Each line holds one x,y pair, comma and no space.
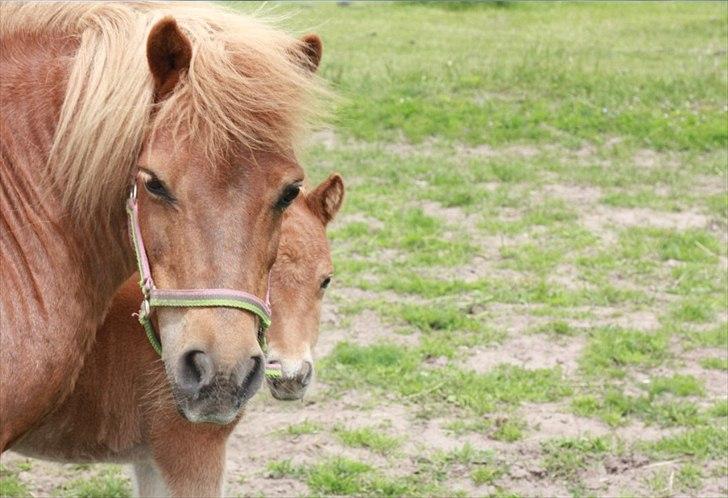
185,298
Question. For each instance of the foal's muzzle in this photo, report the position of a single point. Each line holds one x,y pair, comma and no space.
292,381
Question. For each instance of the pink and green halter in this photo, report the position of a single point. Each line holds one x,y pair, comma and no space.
184,298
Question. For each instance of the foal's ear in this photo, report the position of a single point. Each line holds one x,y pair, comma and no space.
311,49
168,53
326,199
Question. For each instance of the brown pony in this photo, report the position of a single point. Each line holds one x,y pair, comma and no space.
122,408
200,107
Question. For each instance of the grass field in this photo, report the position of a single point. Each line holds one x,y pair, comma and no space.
531,264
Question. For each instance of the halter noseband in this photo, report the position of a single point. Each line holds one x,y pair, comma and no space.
184,298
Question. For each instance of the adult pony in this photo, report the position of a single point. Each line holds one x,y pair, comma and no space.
122,408
199,108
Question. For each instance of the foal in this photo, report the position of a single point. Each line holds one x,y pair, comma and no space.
122,408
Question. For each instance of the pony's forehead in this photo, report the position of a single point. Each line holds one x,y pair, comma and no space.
246,84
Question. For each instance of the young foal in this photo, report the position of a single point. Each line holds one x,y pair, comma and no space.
122,408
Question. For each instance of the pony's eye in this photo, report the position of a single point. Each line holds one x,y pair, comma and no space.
288,195
326,282
156,187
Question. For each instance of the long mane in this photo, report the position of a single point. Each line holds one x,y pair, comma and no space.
247,84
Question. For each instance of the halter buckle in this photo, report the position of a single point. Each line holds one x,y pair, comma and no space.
146,286
145,309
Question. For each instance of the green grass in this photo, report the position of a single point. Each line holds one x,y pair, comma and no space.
611,349
601,79
693,310
394,369
281,468
302,428
508,430
107,484
715,363
616,408
702,442
565,457
367,437
340,476
556,328
679,385
712,338
345,476
11,485
486,474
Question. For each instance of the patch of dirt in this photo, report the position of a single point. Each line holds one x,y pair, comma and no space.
481,267
604,316
603,217
648,158
638,431
348,218
364,329
261,438
566,276
450,215
714,381
552,420
516,319
578,196
531,351
484,150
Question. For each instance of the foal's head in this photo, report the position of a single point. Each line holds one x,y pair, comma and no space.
299,279
212,196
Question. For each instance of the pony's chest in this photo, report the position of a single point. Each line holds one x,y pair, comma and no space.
76,441
40,445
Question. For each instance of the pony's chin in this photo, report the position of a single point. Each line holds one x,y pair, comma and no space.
201,416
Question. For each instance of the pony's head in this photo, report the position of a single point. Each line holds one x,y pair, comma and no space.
300,276
201,108
212,197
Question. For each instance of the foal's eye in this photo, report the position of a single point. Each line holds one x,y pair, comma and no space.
156,187
288,195
326,282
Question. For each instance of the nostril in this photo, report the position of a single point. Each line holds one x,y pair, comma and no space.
257,362
306,373
251,373
195,370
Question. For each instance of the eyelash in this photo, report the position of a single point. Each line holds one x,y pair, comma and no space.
157,188
288,196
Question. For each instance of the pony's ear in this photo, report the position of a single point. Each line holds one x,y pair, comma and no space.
326,199
311,48
168,53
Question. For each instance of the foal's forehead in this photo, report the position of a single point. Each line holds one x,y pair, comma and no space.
303,235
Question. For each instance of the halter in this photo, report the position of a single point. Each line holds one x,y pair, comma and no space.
186,298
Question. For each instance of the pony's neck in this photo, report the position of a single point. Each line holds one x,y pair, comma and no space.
33,92
60,275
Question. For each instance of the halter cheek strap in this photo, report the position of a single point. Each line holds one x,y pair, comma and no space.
186,298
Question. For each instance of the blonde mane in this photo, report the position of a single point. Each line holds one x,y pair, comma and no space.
248,84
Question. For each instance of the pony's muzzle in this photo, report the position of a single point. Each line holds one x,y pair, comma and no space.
206,393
